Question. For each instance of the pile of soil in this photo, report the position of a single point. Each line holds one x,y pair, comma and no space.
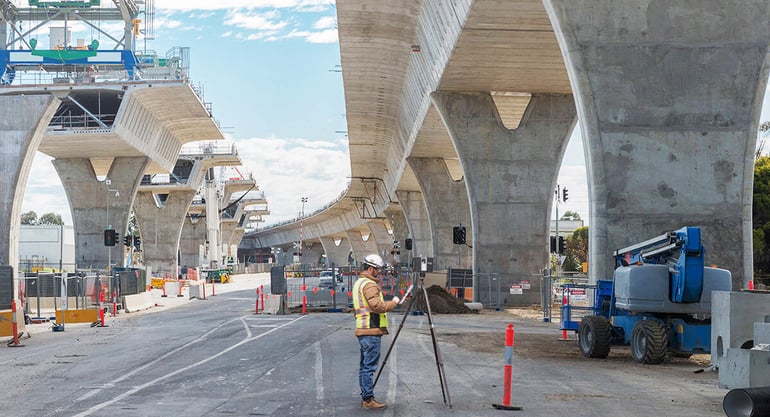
441,302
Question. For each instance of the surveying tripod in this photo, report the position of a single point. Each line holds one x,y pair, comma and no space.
436,351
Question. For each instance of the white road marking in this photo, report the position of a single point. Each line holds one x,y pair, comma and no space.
319,377
136,389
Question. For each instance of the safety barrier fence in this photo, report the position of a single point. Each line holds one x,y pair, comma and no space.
332,288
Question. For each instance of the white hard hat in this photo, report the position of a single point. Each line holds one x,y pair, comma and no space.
373,260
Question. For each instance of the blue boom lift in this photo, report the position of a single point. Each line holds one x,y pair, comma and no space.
659,301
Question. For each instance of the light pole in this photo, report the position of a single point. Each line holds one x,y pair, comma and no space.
301,217
109,225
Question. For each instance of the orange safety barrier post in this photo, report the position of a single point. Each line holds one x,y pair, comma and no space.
256,302
303,288
14,327
212,288
164,288
262,296
204,289
751,284
564,302
179,294
101,309
114,303
507,372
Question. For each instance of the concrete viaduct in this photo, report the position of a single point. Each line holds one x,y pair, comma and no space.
460,112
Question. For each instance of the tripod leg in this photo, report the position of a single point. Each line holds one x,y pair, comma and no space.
437,352
393,343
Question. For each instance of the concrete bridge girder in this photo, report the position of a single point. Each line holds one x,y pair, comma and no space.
161,228
510,176
669,108
446,201
23,120
89,198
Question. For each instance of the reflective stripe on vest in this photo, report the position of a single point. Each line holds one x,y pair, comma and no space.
361,306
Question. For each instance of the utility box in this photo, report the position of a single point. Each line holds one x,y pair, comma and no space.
277,280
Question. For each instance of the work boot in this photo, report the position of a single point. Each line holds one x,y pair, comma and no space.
372,404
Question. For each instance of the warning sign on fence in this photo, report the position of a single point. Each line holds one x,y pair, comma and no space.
516,289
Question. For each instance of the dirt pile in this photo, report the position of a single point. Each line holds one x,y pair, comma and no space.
441,302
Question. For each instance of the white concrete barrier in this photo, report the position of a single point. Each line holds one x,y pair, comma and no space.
137,302
474,306
196,289
171,288
272,304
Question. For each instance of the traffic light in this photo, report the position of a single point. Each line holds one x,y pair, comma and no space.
553,244
561,245
564,194
137,243
110,237
408,243
458,235
127,240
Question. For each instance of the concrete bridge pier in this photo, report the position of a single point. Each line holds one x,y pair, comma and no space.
88,198
336,255
669,96
400,233
510,176
417,219
447,203
192,237
23,122
161,228
361,247
383,239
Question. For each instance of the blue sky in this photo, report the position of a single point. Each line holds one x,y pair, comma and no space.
268,68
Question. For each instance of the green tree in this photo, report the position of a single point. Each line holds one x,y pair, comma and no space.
761,215
576,245
29,217
50,218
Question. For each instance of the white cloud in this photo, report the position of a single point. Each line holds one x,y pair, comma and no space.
326,36
326,22
241,4
289,169
267,21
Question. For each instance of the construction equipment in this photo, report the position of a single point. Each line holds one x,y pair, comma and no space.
658,301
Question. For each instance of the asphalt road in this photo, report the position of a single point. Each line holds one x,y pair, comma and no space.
216,357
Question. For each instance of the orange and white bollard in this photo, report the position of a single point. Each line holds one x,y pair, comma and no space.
114,303
564,303
101,309
256,302
164,288
262,296
303,288
507,372
751,284
15,326
179,289
212,288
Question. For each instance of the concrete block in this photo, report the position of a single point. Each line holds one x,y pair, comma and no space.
137,302
172,288
196,289
745,368
733,314
272,304
761,333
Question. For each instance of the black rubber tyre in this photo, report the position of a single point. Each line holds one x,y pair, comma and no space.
595,337
649,341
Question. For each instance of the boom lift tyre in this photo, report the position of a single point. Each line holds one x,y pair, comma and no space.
649,341
595,337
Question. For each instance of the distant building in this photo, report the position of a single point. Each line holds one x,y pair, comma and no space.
566,227
46,247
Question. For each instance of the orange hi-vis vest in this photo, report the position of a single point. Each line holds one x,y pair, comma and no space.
365,319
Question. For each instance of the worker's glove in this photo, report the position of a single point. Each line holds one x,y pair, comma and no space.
396,299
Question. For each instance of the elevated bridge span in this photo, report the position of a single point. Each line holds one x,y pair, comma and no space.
483,95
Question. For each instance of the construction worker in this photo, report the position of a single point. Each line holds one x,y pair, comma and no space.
371,323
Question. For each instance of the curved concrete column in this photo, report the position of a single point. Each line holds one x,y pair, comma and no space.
383,239
336,255
88,197
510,177
311,253
23,122
418,221
447,203
161,228
669,96
192,237
359,246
